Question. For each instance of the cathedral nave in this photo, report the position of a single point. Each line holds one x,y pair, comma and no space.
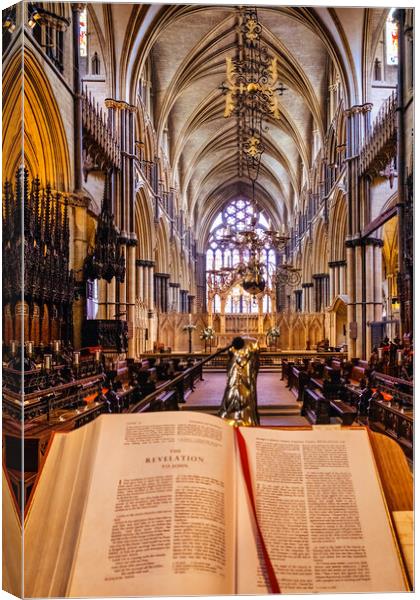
197,181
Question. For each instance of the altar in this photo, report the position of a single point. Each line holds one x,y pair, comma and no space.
229,325
223,340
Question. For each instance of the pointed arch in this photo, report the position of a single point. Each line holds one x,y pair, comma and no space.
46,152
144,226
338,225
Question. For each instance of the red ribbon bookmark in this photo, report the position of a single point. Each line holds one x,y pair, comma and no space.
274,584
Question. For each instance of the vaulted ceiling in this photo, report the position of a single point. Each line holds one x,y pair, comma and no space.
187,45
188,64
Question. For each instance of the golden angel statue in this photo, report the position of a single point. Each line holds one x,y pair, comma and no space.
239,404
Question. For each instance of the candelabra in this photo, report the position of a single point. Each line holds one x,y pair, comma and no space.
190,327
220,280
253,238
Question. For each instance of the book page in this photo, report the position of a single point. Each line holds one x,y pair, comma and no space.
321,512
12,541
54,515
160,513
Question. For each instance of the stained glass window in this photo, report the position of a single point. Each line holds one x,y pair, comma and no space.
83,33
391,32
237,215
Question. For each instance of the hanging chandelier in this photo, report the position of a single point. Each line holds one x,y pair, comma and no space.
252,88
252,91
220,280
250,243
254,238
249,274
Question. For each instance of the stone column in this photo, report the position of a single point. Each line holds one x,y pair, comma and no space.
162,293
351,312
325,294
405,152
359,299
131,293
77,112
177,299
377,267
165,294
80,251
306,297
156,293
175,290
146,281
171,296
150,316
370,295
162,280
358,118
337,281
342,277
152,299
333,287
140,280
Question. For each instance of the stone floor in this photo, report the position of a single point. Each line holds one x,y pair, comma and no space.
277,405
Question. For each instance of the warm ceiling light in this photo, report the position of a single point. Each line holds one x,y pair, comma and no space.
9,24
34,16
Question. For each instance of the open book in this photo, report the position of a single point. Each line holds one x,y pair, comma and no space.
156,504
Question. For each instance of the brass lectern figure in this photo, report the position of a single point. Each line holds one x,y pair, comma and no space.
239,404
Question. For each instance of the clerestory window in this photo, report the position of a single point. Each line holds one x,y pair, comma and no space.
391,33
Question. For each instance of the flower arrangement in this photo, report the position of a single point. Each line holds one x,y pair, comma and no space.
207,334
273,332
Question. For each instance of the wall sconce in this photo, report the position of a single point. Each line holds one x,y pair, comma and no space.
9,24
34,16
